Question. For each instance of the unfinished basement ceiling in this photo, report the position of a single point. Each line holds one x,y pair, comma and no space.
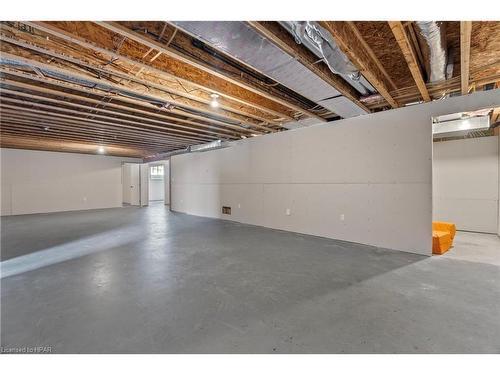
147,88
244,43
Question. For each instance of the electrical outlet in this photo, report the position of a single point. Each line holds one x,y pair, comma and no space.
85,199
288,212
342,217
239,205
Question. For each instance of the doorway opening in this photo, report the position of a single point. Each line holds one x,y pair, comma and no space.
159,187
465,185
135,184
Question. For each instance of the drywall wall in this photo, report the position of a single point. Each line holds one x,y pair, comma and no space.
39,181
365,179
166,185
465,183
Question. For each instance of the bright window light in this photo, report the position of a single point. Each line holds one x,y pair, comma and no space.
156,172
101,150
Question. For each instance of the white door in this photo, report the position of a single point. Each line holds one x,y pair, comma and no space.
166,182
144,184
131,184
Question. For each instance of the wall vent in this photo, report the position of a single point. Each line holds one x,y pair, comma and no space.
226,210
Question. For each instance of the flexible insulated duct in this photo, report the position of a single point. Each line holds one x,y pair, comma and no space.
337,61
432,39
321,43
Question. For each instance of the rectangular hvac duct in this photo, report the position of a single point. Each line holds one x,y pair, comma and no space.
343,107
242,42
460,126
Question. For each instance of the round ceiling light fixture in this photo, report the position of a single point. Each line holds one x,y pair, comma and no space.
214,103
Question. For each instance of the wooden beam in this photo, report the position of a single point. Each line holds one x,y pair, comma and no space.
34,143
495,115
119,29
370,52
465,38
347,40
411,59
281,38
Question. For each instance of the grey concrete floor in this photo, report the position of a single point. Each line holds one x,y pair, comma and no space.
133,280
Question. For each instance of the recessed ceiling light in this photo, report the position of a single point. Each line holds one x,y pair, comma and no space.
214,103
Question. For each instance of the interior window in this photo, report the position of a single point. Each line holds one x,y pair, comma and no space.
156,172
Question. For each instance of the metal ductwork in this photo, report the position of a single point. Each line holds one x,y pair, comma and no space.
311,33
432,40
214,145
243,43
320,42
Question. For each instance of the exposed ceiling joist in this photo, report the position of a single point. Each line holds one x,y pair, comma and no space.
128,104
48,115
465,39
411,59
495,115
34,143
370,52
164,91
117,134
164,123
145,67
114,87
347,40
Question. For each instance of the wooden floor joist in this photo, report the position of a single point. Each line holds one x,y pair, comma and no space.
465,41
165,123
86,147
347,40
411,59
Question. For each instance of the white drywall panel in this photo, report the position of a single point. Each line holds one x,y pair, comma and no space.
376,170
465,183
40,181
